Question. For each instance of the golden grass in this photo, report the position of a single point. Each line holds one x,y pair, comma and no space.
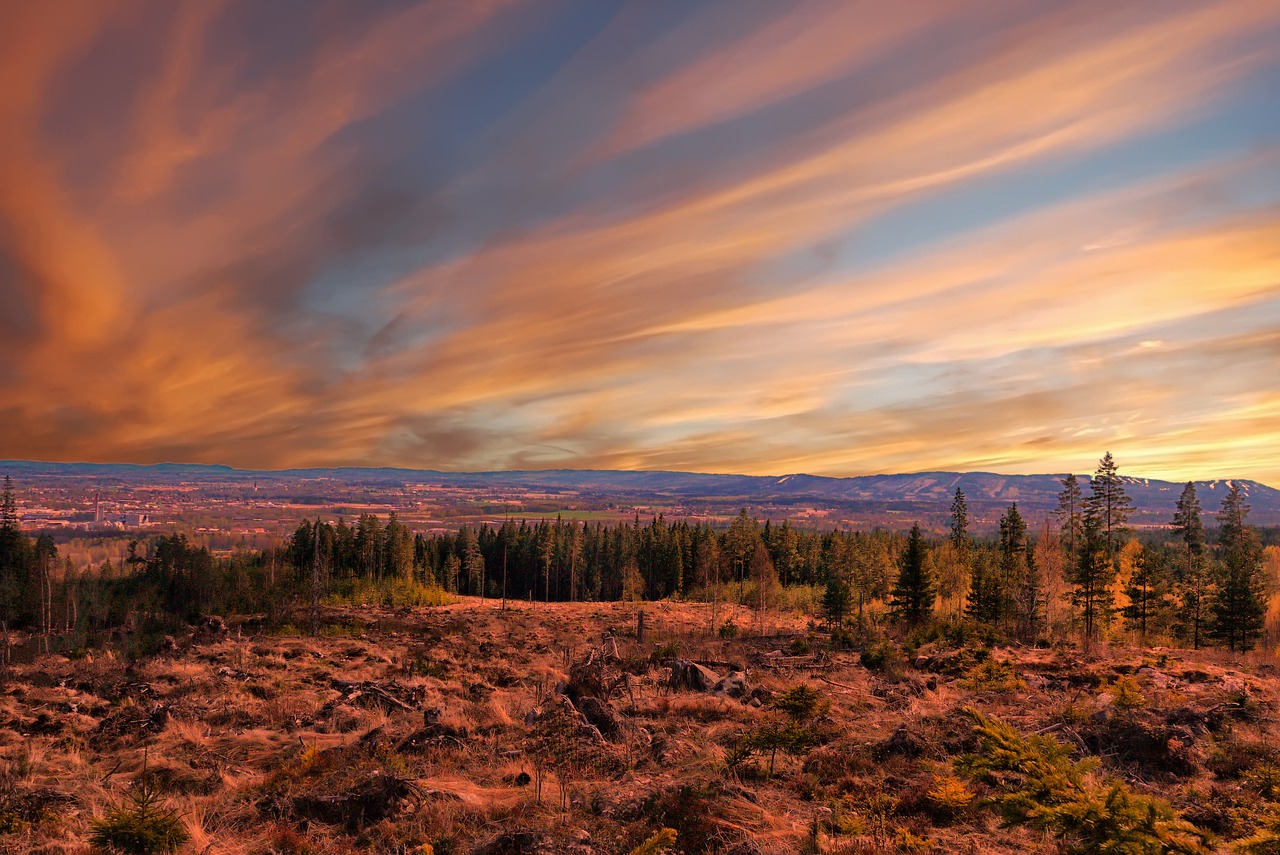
251,717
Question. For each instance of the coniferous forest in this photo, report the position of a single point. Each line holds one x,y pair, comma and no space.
1081,574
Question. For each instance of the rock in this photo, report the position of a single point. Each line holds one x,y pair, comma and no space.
692,677
734,685
1159,679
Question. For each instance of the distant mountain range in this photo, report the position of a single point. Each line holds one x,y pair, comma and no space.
922,492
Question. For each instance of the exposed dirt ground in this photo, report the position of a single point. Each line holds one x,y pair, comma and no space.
554,729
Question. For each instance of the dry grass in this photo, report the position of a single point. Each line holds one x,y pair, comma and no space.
253,727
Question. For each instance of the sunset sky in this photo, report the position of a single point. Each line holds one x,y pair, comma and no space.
747,236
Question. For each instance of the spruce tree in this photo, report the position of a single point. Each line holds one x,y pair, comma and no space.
913,595
1240,604
985,595
1192,579
1091,577
1013,552
1030,601
960,523
1108,505
1147,590
10,567
1070,505
837,600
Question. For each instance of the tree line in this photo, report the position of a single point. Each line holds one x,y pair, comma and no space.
1085,572
1180,587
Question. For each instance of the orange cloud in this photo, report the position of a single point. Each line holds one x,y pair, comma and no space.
269,267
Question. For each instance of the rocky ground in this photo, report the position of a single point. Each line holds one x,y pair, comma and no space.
555,729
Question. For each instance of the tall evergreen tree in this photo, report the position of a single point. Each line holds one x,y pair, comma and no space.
1240,604
913,595
1147,590
1108,505
1031,603
1192,577
1091,578
1070,507
837,600
960,522
11,559
1013,552
985,593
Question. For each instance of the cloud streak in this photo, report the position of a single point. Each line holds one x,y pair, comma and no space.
711,238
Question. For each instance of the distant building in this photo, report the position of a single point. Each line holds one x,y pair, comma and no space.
120,520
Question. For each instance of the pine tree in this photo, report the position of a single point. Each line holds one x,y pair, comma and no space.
1147,590
960,523
1013,547
1108,505
1192,578
1240,605
1031,601
8,508
913,595
837,600
1091,577
1070,505
11,559
985,595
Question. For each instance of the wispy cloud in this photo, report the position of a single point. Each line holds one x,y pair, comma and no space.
494,234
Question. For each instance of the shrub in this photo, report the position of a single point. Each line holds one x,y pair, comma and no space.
991,675
660,842
801,702
879,656
666,652
729,629
800,647
842,639
140,825
1266,841
1127,693
1038,785
949,797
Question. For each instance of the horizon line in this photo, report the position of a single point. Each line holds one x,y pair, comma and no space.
629,471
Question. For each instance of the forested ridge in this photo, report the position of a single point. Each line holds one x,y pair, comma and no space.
1080,573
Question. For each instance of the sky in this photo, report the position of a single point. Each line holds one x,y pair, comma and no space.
840,237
